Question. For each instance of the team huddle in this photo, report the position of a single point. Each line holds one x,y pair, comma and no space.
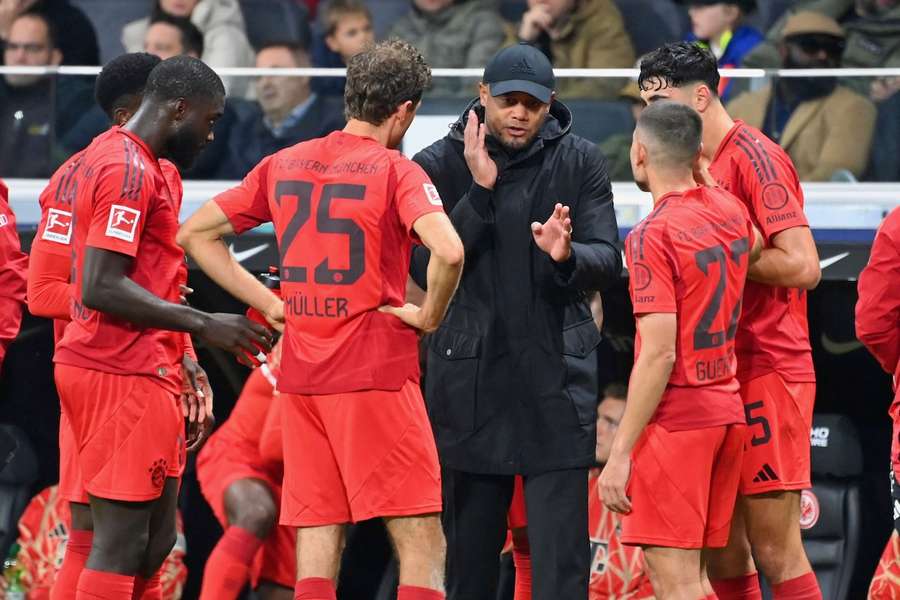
708,458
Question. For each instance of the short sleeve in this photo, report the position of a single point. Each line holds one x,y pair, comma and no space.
247,204
124,195
652,270
773,189
415,195
54,234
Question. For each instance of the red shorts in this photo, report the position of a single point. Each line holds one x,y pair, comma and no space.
683,487
128,432
779,419
356,456
224,461
517,518
71,484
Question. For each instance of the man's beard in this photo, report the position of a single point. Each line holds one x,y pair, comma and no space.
183,149
802,89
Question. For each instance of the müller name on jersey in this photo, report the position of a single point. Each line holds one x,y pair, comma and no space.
312,306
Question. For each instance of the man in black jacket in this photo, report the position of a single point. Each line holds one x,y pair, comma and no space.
512,372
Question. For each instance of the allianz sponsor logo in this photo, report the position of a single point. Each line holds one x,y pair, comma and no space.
818,437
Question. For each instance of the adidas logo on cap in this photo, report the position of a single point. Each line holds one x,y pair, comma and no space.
523,67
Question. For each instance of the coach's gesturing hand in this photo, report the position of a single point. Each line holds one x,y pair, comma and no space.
555,236
481,165
235,333
613,481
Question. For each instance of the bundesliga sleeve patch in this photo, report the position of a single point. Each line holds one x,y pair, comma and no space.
59,226
432,194
122,222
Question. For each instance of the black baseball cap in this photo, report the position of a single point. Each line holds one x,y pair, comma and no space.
520,68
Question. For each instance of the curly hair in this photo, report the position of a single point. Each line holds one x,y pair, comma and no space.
123,78
382,78
677,64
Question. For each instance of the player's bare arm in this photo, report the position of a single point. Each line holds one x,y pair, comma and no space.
757,246
444,271
792,261
107,288
202,237
645,389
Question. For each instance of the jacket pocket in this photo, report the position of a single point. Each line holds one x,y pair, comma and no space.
451,379
580,343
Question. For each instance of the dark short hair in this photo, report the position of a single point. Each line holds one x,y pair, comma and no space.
52,31
191,37
294,47
183,77
123,78
382,78
676,129
617,390
335,10
678,64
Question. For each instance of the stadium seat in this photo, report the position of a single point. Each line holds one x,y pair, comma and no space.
275,20
19,470
596,120
385,13
652,23
108,18
831,513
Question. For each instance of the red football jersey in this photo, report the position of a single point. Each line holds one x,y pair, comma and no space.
343,207
123,203
617,571
690,257
13,266
772,334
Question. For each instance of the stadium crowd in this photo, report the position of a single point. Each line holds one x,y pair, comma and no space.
822,122
723,160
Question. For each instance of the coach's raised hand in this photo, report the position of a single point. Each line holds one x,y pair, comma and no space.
235,333
555,236
481,165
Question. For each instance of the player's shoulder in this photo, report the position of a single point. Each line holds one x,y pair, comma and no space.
751,146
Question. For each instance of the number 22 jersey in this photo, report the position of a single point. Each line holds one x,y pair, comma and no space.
343,207
690,257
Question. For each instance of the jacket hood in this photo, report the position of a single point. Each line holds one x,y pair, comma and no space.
209,14
557,125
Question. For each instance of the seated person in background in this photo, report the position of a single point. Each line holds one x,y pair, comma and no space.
170,36
224,35
346,31
873,41
452,34
617,570
617,147
77,39
718,25
578,34
287,112
825,127
29,126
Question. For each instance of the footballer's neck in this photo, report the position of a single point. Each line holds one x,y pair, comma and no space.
151,123
379,133
716,125
662,181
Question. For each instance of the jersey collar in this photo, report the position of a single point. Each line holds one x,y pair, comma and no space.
731,133
137,140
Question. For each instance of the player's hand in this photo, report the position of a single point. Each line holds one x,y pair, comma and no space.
613,481
701,173
237,334
184,291
555,236
412,315
275,315
536,20
196,402
481,165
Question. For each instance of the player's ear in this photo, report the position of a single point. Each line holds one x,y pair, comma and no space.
179,106
702,97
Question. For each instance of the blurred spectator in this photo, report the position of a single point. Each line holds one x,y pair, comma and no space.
617,147
29,119
452,34
347,29
765,54
225,41
719,26
873,40
579,34
13,265
170,36
823,126
287,112
77,39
